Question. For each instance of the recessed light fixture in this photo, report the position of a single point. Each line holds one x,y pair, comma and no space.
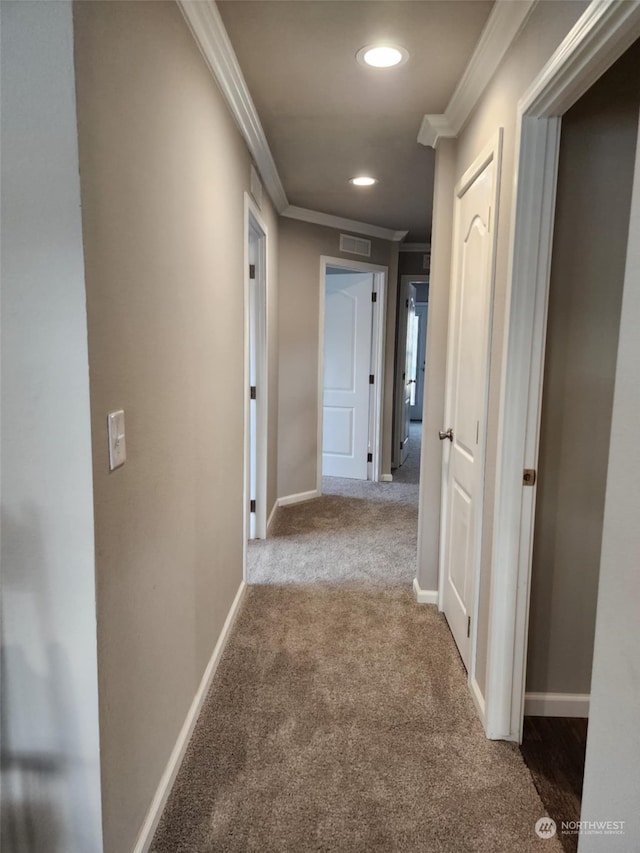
382,55
363,181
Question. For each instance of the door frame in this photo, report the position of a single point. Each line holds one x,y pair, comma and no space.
253,221
599,38
491,152
376,411
401,335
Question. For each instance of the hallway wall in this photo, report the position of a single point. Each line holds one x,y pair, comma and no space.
301,245
49,691
163,170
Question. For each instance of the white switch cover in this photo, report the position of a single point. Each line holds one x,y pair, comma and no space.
117,444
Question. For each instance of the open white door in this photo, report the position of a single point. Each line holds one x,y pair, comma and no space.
466,394
347,366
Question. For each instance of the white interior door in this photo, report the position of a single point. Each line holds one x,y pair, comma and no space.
417,394
466,397
410,367
348,319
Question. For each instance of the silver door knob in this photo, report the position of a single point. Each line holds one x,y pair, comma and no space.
448,434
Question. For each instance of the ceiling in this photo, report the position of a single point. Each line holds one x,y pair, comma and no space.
327,118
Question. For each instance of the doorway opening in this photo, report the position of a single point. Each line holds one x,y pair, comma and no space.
599,38
350,369
596,165
256,373
411,343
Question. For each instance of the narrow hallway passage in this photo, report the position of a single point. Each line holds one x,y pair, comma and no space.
358,532
339,718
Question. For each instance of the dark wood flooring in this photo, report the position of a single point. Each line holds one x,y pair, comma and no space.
553,749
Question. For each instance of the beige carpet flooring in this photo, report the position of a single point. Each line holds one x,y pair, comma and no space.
339,719
357,533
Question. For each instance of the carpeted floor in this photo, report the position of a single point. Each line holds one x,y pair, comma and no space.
339,720
357,533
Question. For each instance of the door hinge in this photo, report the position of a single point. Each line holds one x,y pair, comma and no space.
401,445
374,296
403,375
529,477
369,457
406,304
252,506
372,379
252,392
252,270
468,626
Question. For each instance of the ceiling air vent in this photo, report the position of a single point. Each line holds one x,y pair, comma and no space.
355,245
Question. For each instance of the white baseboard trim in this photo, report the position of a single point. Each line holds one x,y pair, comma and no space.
271,516
478,700
386,478
287,500
556,704
424,596
173,765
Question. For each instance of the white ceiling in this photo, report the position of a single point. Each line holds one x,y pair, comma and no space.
327,118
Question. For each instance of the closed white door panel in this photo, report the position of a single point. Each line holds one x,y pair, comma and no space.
467,371
347,363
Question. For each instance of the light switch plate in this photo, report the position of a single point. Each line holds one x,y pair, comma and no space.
117,443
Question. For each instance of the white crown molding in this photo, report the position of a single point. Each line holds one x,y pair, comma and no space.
315,217
415,247
503,26
207,28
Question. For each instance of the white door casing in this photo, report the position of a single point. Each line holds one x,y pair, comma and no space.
347,366
255,372
468,351
422,313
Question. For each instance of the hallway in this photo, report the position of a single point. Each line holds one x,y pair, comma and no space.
357,532
339,718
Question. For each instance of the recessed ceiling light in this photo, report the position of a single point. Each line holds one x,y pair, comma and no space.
363,181
382,55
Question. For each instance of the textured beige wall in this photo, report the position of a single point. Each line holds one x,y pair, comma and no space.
301,245
163,172
545,29
597,157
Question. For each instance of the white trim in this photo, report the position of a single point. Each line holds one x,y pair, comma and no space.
415,247
167,779
478,700
386,478
556,704
502,28
207,28
299,498
380,276
424,596
253,219
272,515
599,38
339,223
